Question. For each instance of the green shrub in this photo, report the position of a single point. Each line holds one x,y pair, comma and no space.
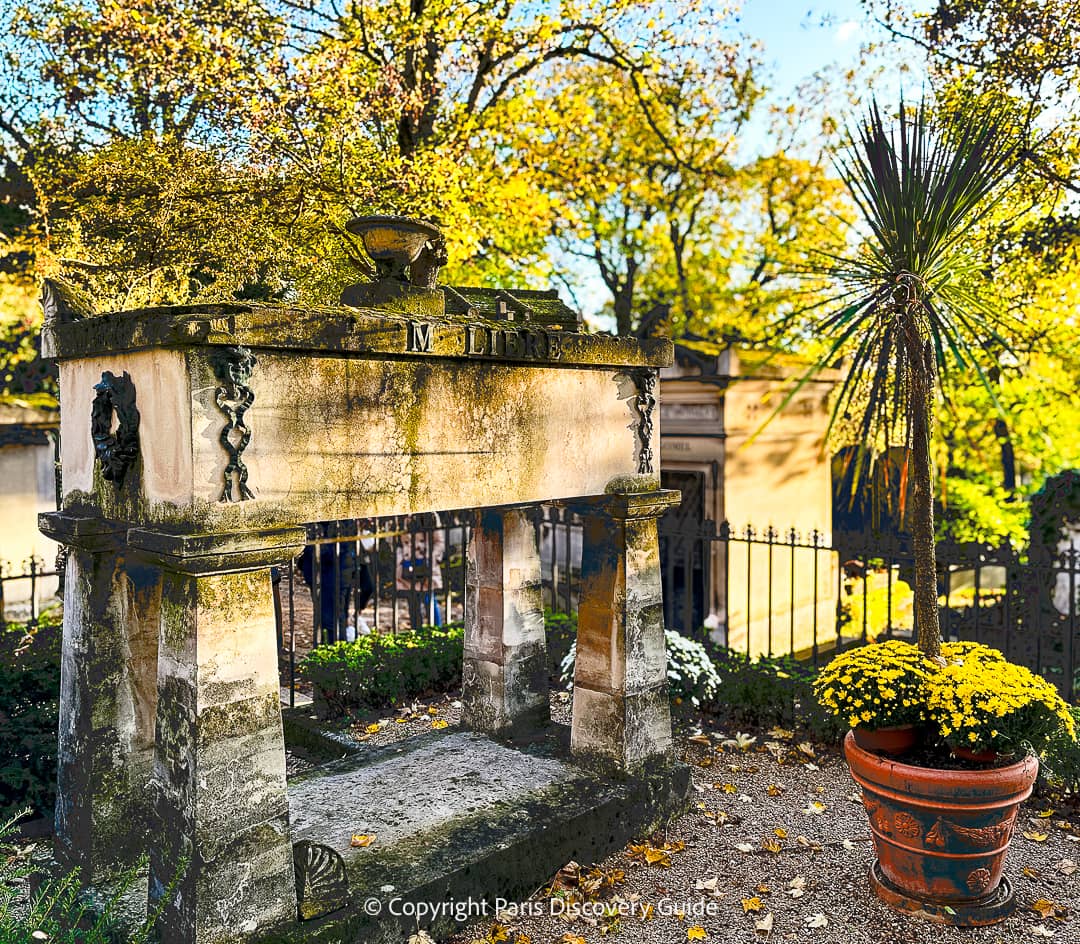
1061,759
383,670
561,633
769,691
29,714
690,672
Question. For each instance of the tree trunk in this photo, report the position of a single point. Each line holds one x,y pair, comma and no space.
922,509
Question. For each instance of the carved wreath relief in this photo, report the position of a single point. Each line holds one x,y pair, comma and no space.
645,382
233,367
115,449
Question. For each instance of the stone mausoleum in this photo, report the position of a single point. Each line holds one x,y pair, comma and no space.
196,443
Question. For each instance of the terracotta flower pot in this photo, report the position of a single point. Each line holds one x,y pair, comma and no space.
897,739
941,835
979,757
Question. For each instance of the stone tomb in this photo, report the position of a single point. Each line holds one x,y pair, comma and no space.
196,442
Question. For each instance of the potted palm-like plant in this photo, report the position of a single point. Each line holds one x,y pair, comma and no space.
907,309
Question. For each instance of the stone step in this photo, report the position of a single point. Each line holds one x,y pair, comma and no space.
459,820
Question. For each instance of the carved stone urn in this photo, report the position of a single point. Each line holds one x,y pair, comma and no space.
941,835
407,254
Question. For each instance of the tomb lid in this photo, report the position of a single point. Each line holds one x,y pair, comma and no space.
362,332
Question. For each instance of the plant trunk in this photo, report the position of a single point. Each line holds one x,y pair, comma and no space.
922,516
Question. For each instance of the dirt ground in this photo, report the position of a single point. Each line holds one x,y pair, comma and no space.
775,848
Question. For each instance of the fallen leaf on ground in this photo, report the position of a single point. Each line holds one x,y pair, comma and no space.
696,933
805,747
751,905
570,938
771,845
1029,872
774,790
816,921
744,846
780,832
421,937
764,926
1041,930
1045,814
700,739
729,788
359,840
1036,837
1043,907
1066,866
707,884
816,808
796,888
741,742
439,724
372,729
782,733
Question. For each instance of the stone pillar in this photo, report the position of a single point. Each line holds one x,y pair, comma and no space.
505,676
621,708
108,696
220,853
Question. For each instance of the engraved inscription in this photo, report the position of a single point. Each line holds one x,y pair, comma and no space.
525,343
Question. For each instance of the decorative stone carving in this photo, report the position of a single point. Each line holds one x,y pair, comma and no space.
645,381
424,271
116,451
407,255
63,303
233,367
322,885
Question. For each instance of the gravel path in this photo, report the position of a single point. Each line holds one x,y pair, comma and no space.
776,848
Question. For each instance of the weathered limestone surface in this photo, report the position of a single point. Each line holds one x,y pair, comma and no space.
453,433
221,813
504,684
458,815
621,709
108,700
236,424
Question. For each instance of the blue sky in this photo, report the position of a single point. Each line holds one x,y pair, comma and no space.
800,37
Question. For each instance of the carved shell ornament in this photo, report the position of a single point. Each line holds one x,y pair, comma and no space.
115,449
322,884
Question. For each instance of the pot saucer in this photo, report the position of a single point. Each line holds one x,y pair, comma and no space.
995,907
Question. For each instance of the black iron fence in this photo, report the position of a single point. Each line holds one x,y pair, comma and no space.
26,589
758,591
805,593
